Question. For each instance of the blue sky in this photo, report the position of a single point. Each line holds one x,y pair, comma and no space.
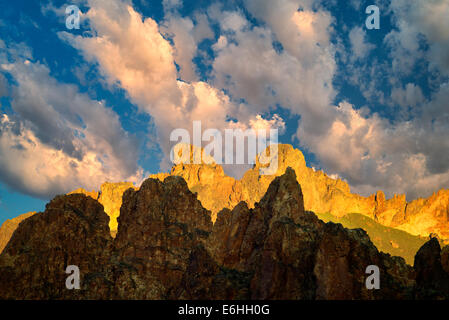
80,107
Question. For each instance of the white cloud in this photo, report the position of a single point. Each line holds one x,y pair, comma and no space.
369,151
59,139
147,70
402,157
416,19
360,47
186,35
299,78
260,123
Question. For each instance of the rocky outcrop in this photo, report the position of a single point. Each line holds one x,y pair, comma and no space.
110,196
322,194
160,227
294,255
432,280
73,230
93,194
426,216
111,199
167,248
9,226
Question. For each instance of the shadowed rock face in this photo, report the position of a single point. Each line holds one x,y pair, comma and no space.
167,248
160,227
432,278
73,230
294,255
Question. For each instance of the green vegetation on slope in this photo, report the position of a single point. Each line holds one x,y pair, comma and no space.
386,239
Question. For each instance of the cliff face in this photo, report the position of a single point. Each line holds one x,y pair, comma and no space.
294,255
167,248
111,199
431,267
322,194
8,228
110,196
73,230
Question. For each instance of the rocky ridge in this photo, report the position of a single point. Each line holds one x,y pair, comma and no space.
110,196
167,248
9,226
322,194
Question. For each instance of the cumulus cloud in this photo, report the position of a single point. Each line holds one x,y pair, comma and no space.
186,35
298,78
58,139
285,61
132,53
417,21
3,86
260,123
405,157
369,151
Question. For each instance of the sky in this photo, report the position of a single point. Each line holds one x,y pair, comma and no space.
79,107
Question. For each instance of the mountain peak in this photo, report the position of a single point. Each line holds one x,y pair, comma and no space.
320,193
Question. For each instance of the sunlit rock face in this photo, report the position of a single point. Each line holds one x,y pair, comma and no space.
8,228
111,199
167,248
322,194
110,196
217,190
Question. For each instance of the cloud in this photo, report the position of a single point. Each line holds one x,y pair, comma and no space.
58,139
401,157
3,86
359,46
287,60
369,151
410,96
298,78
148,72
260,123
186,35
417,21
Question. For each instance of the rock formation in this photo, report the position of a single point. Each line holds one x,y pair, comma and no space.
111,199
110,196
322,195
73,230
160,227
432,278
167,248
8,228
